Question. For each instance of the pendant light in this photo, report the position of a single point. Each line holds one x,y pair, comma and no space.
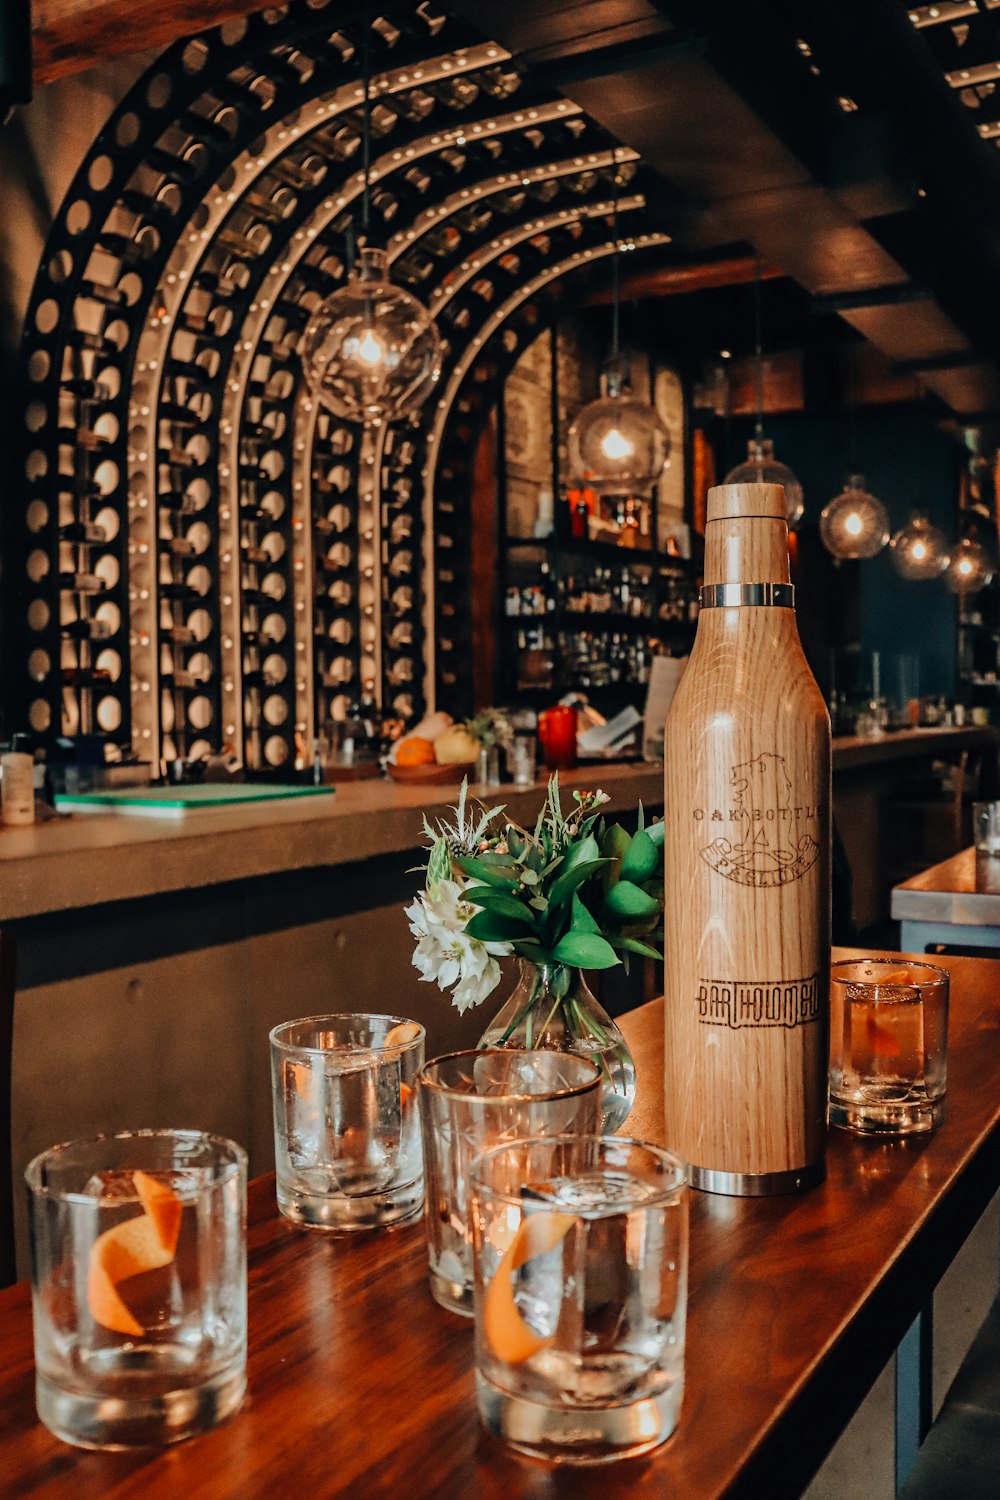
371,352
854,524
617,445
760,465
969,569
919,550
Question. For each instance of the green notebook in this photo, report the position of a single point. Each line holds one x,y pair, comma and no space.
176,801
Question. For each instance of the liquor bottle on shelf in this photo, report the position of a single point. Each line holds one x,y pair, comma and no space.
747,862
82,629
85,533
96,291
81,583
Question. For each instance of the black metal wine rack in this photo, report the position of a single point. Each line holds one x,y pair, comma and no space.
206,558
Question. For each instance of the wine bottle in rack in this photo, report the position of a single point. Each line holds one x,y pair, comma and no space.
747,869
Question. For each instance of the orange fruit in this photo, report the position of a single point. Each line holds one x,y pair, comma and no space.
145,1243
507,1333
415,751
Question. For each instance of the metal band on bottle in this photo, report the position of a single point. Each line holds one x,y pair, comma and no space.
736,595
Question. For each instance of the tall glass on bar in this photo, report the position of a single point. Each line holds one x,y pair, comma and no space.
581,1248
139,1286
888,1045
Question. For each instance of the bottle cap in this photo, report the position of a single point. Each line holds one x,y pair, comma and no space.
746,501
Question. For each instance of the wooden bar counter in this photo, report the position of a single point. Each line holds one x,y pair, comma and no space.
149,947
94,858
361,1385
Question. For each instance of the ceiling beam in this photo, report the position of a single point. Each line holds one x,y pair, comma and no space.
69,36
669,281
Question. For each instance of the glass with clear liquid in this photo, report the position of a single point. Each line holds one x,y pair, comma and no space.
471,1101
888,1046
581,1250
347,1150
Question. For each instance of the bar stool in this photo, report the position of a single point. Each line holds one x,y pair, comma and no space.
8,978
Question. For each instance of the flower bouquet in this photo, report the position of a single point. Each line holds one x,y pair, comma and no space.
576,892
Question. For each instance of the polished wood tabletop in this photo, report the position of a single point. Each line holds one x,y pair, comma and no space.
963,890
359,1384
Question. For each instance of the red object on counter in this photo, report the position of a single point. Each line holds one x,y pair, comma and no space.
557,732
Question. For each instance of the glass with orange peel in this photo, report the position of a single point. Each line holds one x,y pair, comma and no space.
888,1045
581,1255
139,1286
347,1152
472,1100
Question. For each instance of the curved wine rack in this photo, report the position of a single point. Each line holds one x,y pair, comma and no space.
207,558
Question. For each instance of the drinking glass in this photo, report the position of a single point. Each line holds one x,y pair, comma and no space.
346,1130
888,1045
522,759
581,1295
472,1100
139,1286
986,828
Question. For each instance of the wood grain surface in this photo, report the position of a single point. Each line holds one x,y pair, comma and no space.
361,1385
747,868
964,890
71,35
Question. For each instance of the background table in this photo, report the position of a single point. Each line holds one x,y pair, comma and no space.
360,1384
956,903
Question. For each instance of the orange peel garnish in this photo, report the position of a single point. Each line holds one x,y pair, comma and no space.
508,1335
163,1206
401,1035
147,1242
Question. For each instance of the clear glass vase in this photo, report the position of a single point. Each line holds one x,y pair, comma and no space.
553,1007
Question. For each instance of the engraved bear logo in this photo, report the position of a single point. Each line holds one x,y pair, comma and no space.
768,853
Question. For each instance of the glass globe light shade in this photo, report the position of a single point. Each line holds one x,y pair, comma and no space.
970,569
371,352
919,550
761,467
617,444
854,524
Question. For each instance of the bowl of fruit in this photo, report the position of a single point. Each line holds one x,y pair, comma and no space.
436,752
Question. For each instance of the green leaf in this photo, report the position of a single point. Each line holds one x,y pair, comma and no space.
505,878
568,881
640,821
578,853
490,928
585,950
581,918
532,949
499,902
633,945
642,859
655,831
439,864
627,900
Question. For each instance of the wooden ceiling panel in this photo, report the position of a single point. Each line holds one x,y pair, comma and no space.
69,36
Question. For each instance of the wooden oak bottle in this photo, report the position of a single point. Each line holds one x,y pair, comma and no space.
747,871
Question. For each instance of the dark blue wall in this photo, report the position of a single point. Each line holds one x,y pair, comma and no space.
910,466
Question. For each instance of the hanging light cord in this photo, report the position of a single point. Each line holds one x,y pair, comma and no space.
758,353
852,396
366,128
615,266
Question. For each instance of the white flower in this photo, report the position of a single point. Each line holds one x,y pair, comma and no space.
445,954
